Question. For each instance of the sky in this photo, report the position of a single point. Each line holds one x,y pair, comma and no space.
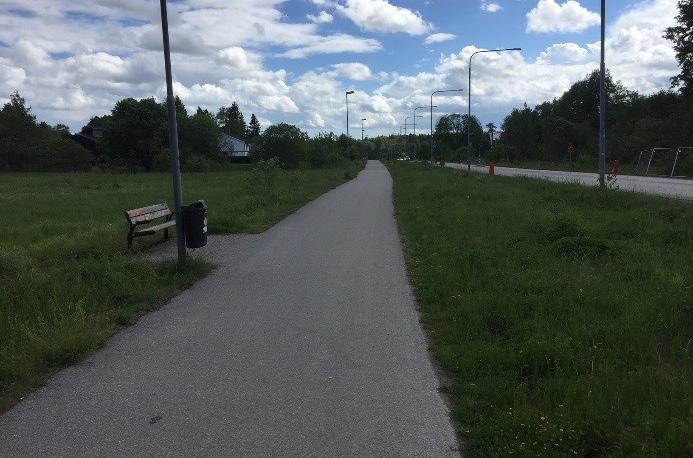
292,61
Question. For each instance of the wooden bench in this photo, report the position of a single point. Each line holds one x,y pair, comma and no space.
145,215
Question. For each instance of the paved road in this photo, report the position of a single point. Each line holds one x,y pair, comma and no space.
304,342
669,187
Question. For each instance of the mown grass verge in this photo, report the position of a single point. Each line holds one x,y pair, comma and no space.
563,314
66,280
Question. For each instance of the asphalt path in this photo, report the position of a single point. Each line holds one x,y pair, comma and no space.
305,341
661,186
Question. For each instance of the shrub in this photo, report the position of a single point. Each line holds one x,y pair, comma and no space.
199,164
262,179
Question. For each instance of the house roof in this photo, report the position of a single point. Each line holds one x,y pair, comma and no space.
224,134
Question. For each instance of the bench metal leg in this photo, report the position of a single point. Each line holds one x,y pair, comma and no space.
130,237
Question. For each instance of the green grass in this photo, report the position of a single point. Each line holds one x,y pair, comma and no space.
66,280
563,314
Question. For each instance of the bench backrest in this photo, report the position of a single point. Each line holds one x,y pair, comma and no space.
146,214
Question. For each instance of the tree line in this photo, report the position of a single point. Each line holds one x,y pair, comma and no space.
134,137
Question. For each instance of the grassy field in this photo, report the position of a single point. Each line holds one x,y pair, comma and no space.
563,314
66,279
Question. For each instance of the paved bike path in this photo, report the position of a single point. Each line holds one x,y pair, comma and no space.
305,341
660,186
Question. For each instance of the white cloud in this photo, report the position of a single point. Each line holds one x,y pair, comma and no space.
549,16
237,58
75,99
104,62
316,120
11,77
29,55
439,37
332,44
322,18
353,71
490,7
382,16
564,54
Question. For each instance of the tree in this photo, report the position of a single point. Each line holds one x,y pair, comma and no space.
521,133
16,118
491,129
231,120
451,136
200,136
285,142
682,37
136,134
253,128
28,146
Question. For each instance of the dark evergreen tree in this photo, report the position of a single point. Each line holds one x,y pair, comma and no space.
253,127
231,120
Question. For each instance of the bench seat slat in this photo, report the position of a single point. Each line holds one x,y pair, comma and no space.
147,217
154,229
144,210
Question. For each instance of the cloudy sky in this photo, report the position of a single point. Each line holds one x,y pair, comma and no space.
291,61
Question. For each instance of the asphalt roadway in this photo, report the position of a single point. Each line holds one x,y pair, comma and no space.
305,341
661,186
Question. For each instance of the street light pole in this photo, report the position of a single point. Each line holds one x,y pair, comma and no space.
602,104
469,102
434,93
173,140
418,108
346,97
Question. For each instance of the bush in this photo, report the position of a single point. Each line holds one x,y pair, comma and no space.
199,164
262,179
62,154
324,150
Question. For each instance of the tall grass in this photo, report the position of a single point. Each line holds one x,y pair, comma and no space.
66,279
563,314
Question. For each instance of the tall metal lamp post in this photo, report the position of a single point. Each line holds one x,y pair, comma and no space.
346,97
602,104
434,93
469,102
173,140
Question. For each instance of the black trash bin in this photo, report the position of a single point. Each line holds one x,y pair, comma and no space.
195,224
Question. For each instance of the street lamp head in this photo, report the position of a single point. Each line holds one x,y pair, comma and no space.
515,49
363,119
349,92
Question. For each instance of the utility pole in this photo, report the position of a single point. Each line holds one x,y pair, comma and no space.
602,104
173,141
